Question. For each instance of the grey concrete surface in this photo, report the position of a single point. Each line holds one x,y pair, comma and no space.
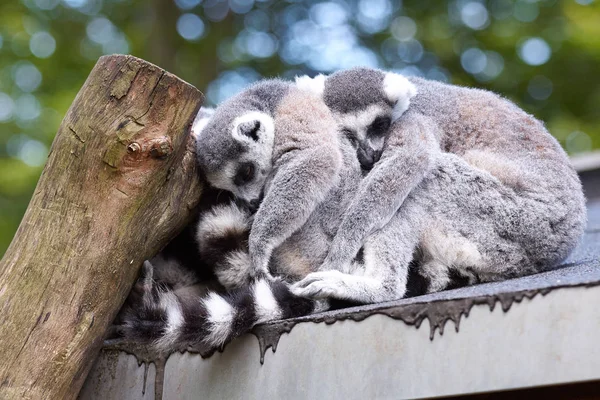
538,342
118,376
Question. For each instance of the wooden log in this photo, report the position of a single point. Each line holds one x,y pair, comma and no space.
120,181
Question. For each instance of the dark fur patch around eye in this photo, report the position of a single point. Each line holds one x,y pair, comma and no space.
379,126
250,129
244,174
350,135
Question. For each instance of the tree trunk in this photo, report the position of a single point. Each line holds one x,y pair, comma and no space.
120,181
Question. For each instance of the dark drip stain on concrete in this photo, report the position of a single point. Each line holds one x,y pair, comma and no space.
144,356
437,312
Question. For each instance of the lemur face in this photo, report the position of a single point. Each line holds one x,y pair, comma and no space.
237,158
365,102
367,130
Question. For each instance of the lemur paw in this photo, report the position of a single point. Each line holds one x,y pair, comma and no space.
321,285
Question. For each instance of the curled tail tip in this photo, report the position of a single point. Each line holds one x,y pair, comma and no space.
170,322
222,237
223,220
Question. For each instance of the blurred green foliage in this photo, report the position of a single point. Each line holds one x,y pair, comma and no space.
544,55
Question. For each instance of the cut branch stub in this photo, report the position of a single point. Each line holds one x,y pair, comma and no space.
120,181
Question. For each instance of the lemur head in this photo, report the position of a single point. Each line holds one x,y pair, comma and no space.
365,102
235,145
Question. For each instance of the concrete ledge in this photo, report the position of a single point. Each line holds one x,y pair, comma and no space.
546,340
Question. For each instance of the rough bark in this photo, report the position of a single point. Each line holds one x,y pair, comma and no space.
120,181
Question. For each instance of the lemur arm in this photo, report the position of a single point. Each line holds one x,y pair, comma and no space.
303,179
382,274
410,151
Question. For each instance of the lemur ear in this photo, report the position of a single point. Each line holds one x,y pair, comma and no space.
398,90
314,85
249,129
204,115
253,126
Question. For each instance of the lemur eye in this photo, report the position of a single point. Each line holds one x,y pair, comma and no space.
350,135
244,174
379,127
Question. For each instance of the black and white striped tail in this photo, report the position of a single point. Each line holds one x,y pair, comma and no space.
171,321
222,237
217,319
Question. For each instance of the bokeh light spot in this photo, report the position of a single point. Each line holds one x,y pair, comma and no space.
119,45
535,51
473,60
27,77
42,44
190,26
373,15
27,107
261,44
375,9
410,51
33,153
328,14
101,30
7,107
474,15
28,150
216,10
403,28
493,67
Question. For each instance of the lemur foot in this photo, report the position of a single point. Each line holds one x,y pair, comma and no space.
321,285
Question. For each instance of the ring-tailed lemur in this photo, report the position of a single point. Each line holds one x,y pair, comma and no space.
308,161
181,263
526,190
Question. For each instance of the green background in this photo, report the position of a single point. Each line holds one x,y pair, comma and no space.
544,55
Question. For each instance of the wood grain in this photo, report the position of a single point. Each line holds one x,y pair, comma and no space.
120,181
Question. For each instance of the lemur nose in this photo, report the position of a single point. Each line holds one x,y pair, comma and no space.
365,160
368,158
254,204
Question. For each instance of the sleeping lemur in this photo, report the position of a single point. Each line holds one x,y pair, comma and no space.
306,189
517,204
461,219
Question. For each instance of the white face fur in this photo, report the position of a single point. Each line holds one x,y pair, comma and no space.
367,131
368,128
246,175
